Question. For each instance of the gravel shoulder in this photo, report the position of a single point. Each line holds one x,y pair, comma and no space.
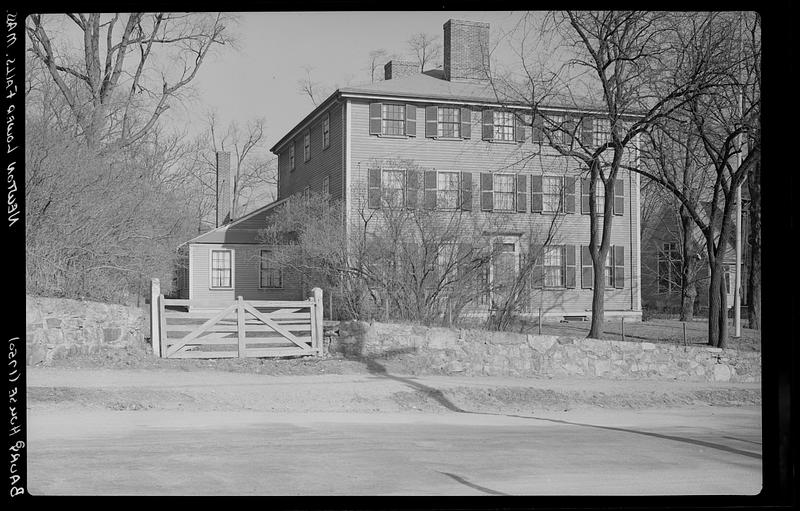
50,388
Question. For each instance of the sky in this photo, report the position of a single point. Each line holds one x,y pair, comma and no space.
260,78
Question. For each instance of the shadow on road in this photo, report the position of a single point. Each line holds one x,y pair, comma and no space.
376,368
474,486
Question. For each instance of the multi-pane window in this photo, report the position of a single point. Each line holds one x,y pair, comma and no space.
393,184
554,124
221,269
601,131
326,131
393,119
291,156
447,186
326,187
552,194
448,122
600,200
307,146
503,125
503,186
609,268
669,275
553,266
271,276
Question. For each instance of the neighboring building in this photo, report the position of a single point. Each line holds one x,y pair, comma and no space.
662,261
469,152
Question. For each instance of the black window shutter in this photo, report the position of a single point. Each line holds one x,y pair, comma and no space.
487,194
411,120
536,194
585,196
587,272
522,193
466,123
412,188
488,124
374,189
569,195
431,121
569,266
619,266
375,118
570,124
519,128
537,272
466,191
587,131
464,259
538,128
430,189
619,197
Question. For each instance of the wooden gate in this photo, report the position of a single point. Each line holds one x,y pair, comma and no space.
241,328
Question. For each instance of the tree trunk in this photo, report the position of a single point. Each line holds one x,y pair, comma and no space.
717,307
598,297
754,276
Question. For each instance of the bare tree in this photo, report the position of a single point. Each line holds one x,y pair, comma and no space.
426,48
315,90
377,58
620,70
720,121
124,80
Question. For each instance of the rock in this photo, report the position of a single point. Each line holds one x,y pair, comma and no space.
53,323
541,343
722,372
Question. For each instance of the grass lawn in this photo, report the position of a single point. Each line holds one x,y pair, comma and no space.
654,330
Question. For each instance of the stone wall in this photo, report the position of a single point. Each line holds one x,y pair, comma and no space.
484,353
58,327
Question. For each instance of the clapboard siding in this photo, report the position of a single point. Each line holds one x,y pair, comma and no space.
476,155
246,276
323,163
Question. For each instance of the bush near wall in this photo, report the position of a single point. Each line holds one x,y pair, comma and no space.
59,327
485,353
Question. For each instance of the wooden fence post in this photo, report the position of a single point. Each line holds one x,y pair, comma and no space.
318,304
622,322
155,338
162,331
539,323
240,326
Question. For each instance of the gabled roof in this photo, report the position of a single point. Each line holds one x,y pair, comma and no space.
237,231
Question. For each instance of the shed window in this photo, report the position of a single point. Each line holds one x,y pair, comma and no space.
221,269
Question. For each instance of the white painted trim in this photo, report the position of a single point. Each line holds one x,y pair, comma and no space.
237,221
191,272
484,104
348,197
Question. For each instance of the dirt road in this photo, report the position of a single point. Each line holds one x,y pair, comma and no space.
595,452
205,432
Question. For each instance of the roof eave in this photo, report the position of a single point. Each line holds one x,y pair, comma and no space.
306,120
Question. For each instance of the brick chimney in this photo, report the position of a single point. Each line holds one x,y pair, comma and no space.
466,51
224,188
399,68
